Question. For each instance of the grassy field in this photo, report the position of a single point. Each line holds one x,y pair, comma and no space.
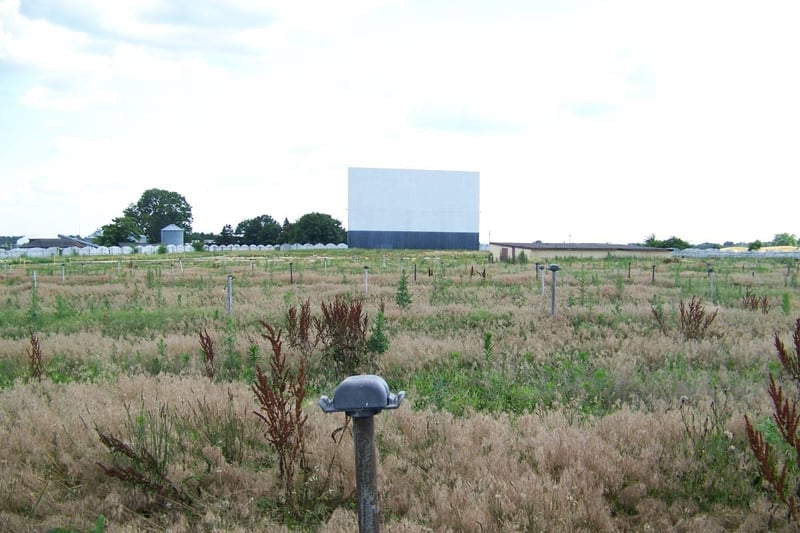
623,412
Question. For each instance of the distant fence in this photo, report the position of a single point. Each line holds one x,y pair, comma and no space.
149,249
710,253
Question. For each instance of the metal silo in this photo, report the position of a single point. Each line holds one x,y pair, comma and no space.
172,234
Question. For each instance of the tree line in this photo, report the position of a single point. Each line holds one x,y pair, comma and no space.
780,239
158,208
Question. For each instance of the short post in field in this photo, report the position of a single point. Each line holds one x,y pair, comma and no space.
291,277
229,306
361,397
553,268
710,272
366,280
540,269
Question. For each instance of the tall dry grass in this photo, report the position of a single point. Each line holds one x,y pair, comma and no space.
479,473
561,468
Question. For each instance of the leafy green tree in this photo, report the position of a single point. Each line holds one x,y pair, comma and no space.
675,242
784,239
672,242
259,230
755,245
226,235
157,209
316,227
651,241
286,230
121,229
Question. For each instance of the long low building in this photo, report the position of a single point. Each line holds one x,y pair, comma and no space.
545,251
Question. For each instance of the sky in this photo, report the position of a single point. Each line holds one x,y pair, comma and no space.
589,121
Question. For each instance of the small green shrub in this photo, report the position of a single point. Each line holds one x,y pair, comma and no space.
222,428
378,342
402,297
715,472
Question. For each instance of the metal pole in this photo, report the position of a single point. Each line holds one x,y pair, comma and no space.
366,473
366,280
553,296
653,279
711,281
291,276
541,267
34,279
62,273
230,295
415,272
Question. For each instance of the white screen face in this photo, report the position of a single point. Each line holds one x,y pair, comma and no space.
413,200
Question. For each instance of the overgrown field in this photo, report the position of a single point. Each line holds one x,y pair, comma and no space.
131,399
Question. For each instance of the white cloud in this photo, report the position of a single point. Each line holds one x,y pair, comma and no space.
611,120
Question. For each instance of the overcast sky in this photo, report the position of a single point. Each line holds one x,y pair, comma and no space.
601,121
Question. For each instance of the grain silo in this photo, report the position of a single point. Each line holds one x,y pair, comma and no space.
172,234
419,209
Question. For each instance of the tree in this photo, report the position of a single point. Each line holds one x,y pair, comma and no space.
784,239
675,242
755,245
316,227
672,242
226,235
121,229
259,230
157,209
402,296
286,229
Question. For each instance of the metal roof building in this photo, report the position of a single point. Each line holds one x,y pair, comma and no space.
415,209
544,251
